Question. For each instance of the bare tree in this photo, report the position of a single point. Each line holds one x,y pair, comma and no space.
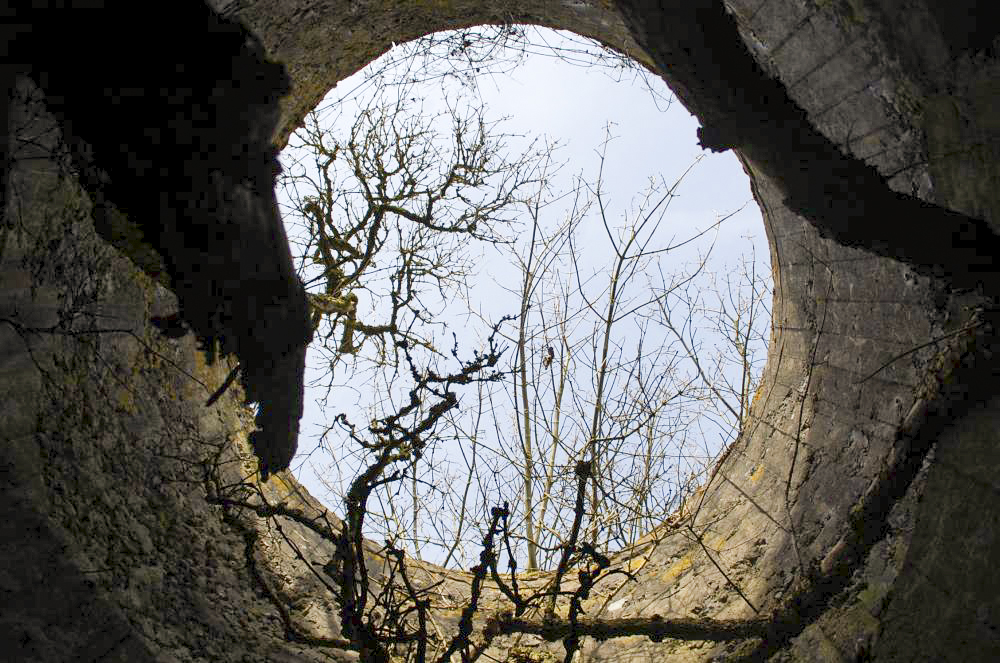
394,218
570,446
732,312
392,212
598,375
390,220
388,212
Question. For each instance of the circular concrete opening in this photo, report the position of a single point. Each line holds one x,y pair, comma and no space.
690,314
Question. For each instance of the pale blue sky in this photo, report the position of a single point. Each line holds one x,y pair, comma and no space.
573,105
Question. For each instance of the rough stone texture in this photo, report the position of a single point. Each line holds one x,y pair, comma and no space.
325,41
111,550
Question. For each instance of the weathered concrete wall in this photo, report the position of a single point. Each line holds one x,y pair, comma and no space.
325,41
861,501
110,551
